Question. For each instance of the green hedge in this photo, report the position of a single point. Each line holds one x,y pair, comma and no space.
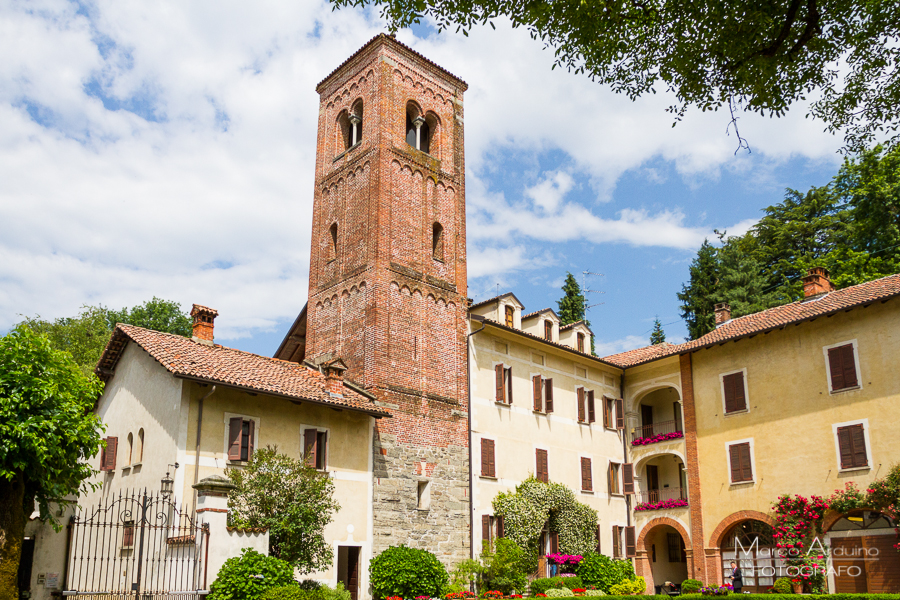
540,586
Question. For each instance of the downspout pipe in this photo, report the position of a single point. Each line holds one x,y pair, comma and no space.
625,447
479,319
197,450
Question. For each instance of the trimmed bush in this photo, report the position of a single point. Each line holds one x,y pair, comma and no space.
309,584
335,593
691,586
594,593
290,592
248,576
629,587
540,586
407,572
782,586
603,572
559,592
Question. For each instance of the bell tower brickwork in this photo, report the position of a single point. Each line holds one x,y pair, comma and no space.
386,296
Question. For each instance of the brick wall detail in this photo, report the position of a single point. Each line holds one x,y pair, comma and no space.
700,567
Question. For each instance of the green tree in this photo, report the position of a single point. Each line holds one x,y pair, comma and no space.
294,501
759,56
698,295
47,431
573,305
85,336
657,336
741,282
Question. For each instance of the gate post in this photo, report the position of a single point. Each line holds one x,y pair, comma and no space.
212,509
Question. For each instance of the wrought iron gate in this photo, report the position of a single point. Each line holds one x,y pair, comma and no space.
137,545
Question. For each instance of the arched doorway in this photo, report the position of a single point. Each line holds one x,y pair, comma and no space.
863,557
664,553
751,544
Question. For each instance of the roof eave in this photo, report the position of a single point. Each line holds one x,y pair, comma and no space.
551,344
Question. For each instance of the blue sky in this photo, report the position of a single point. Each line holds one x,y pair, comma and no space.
167,149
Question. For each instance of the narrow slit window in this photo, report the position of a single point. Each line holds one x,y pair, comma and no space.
333,241
437,241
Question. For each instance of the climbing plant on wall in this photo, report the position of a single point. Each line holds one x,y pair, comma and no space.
534,503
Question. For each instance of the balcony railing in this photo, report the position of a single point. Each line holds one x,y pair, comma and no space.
661,499
656,432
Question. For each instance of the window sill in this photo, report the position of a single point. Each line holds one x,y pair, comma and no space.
736,412
126,469
436,259
854,469
846,389
735,484
616,495
345,152
501,403
539,412
591,492
237,463
134,465
489,477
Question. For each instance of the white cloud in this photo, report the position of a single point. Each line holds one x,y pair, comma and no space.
624,344
168,149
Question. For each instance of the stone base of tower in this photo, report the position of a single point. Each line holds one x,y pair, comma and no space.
421,490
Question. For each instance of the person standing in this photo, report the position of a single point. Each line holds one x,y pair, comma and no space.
737,578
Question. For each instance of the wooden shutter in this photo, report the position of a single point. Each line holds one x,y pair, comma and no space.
500,529
620,414
741,469
310,437
128,535
587,482
112,444
235,424
508,373
486,528
617,541
488,468
580,394
629,542
501,388
554,542
590,406
607,413
538,396
852,443
103,457
598,540
548,395
321,448
611,483
735,399
842,364
628,478
251,442
541,465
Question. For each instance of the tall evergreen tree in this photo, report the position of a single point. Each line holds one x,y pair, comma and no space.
657,336
742,284
572,305
698,295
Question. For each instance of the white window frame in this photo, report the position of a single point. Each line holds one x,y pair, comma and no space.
256,429
327,431
859,378
722,377
728,446
506,367
837,444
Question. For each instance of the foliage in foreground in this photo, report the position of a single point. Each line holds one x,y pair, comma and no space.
248,576
545,584
299,592
47,433
407,573
294,501
603,572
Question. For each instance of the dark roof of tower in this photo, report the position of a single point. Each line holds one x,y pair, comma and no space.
385,38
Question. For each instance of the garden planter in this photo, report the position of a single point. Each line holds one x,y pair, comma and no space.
798,588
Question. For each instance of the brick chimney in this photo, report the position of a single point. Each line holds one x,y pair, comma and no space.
334,376
817,282
723,313
203,323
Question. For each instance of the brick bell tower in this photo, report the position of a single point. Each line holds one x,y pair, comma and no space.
387,280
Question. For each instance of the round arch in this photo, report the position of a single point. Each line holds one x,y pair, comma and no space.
660,521
656,454
643,392
715,538
644,566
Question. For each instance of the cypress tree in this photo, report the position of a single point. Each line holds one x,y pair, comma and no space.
698,295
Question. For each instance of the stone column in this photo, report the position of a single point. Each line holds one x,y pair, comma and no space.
212,509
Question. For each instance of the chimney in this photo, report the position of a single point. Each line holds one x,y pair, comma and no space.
723,313
816,283
203,323
334,376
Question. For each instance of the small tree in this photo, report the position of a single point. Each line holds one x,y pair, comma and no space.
48,429
658,336
572,306
294,501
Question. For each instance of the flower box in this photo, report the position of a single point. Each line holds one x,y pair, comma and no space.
662,504
659,437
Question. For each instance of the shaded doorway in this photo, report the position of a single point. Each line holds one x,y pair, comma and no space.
751,544
348,569
667,556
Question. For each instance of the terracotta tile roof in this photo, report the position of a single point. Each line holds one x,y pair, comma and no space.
548,342
494,299
217,364
571,325
538,312
774,318
393,40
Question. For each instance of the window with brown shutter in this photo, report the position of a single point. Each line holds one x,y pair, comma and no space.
620,414
629,542
735,399
548,395
128,534
548,330
580,342
234,438
587,482
608,418
486,528
507,372
554,542
612,477
842,366
580,394
510,313
500,384
617,541
500,528
488,468
741,467
628,478
310,446
852,445
590,406
542,473
108,455
537,391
